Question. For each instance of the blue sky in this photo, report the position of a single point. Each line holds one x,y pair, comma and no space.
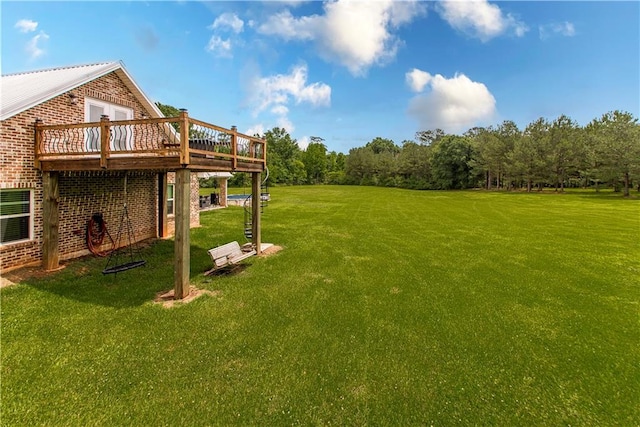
348,71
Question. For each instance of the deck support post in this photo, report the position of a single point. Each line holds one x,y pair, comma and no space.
50,221
182,254
256,200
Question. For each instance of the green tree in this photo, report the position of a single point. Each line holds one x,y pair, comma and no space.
169,111
451,163
414,165
616,146
428,137
335,162
563,151
383,145
283,157
315,161
484,141
508,133
359,166
527,159
335,168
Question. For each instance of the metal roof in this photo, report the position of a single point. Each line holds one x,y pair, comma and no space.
21,91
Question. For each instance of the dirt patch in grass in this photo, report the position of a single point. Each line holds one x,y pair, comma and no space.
271,250
166,298
14,277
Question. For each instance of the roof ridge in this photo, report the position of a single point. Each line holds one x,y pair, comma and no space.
68,67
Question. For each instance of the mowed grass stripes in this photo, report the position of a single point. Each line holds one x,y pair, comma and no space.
385,307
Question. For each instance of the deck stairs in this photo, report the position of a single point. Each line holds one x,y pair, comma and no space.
248,212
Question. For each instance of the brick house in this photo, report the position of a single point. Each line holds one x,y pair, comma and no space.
68,138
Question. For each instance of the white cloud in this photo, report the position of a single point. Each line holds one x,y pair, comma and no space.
280,110
257,129
33,47
285,25
303,142
417,79
228,21
273,94
453,105
355,34
219,47
479,18
284,123
566,29
26,25
276,91
292,3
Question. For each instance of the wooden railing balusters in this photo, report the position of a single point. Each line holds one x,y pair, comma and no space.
169,141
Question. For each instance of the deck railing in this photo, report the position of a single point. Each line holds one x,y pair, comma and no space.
181,136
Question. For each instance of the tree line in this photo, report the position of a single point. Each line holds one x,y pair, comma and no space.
558,154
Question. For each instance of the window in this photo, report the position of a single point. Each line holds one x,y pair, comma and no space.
16,216
170,199
121,136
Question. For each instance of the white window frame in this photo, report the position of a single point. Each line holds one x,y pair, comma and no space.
110,110
172,211
29,215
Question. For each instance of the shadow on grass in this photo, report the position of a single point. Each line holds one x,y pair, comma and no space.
605,194
82,279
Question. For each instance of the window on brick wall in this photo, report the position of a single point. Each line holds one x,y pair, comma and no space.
170,199
121,136
16,216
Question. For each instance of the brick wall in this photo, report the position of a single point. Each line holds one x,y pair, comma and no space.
194,200
223,191
81,194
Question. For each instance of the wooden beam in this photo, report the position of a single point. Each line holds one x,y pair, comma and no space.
234,146
184,137
50,220
182,262
38,143
105,136
148,163
255,210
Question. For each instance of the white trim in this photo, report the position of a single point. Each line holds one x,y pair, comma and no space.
30,215
173,199
124,134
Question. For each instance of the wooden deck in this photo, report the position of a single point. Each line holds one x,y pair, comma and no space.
179,144
168,144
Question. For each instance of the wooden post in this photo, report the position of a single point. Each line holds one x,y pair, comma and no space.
105,134
234,147
184,137
255,210
264,152
50,200
163,229
37,149
182,255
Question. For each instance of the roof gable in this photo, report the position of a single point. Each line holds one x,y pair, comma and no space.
21,91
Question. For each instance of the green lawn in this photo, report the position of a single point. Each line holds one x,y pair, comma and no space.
385,307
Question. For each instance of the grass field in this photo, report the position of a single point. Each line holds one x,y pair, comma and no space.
385,307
